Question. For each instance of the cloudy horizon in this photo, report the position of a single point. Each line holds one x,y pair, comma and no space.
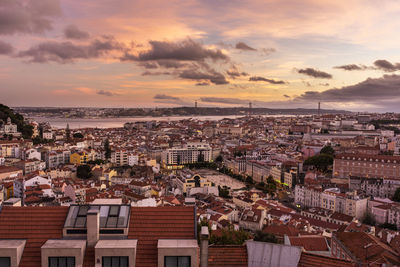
275,54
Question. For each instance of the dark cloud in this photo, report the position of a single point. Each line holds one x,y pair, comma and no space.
372,90
72,32
5,48
211,76
386,65
27,16
268,51
149,73
243,46
324,84
286,96
239,86
164,96
202,84
105,93
308,84
187,50
222,100
262,79
68,52
351,67
149,65
234,72
315,73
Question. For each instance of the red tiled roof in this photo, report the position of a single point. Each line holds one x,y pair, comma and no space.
220,256
313,260
36,225
153,223
309,243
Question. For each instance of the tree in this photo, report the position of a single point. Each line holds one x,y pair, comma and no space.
229,237
84,172
396,196
321,162
68,132
327,150
223,192
219,158
107,149
78,135
265,237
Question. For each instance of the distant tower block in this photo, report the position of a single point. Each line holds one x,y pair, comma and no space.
250,107
195,104
319,108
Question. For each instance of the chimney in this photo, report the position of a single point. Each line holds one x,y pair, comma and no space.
204,246
92,226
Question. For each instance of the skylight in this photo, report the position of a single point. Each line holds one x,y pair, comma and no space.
111,216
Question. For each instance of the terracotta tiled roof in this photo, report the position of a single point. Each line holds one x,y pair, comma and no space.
234,256
153,223
313,260
36,225
309,243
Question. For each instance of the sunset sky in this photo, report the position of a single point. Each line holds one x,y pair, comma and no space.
127,53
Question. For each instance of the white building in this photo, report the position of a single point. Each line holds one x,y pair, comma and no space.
190,153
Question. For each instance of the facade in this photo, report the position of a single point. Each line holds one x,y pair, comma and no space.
56,158
79,158
190,153
346,165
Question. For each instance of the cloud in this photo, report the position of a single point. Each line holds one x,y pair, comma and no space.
187,50
5,48
262,79
105,93
372,90
286,96
149,73
68,52
210,76
222,100
243,46
164,96
268,51
315,73
386,65
27,16
350,67
234,72
202,84
72,32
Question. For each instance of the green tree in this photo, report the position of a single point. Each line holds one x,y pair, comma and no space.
219,158
327,150
265,237
84,172
78,135
229,237
107,149
322,162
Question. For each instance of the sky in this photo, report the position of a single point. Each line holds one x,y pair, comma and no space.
134,53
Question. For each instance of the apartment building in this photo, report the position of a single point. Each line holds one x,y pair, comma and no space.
332,199
190,153
98,235
346,165
55,158
375,187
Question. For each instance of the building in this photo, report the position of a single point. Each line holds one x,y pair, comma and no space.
190,153
9,128
185,184
362,165
79,158
96,235
57,157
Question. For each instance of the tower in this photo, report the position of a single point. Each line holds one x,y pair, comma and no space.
319,109
250,107
195,104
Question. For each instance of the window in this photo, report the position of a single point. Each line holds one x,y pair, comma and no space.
61,261
115,261
177,261
5,261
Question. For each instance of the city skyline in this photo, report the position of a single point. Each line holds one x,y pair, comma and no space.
218,53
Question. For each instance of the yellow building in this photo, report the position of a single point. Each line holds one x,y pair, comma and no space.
78,158
195,181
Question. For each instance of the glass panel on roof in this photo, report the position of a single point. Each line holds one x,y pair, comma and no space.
112,221
103,215
73,212
114,211
83,210
123,216
80,222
